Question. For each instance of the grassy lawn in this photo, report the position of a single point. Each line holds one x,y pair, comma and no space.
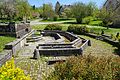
38,27
106,31
4,40
97,23
99,48
96,29
59,20
41,27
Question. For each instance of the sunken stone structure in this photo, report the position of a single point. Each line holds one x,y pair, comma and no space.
15,30
46,43
58,45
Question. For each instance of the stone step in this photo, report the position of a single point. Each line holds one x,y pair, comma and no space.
77,43
50,62
34,40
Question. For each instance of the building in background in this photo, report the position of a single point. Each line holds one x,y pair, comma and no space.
114,5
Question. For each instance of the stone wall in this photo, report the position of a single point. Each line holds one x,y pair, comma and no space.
4,56
67,35
60,52
68,51
16,45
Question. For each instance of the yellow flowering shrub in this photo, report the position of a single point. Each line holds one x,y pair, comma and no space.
10,72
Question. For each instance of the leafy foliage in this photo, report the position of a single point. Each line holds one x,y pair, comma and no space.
68,12
87,20
87,68
10,72
53,27
105,16
80,10
48,11
78,29
14,9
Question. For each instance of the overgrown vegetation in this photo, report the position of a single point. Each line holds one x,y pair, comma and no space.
4,40
10,72
87,68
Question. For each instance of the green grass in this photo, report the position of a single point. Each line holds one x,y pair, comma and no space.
41,27
59,19
4,40
95,23
96,29
99,48
109,31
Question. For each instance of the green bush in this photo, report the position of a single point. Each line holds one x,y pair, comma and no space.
79,20
55,18
87,20
78,29
53,27
87,68
10,72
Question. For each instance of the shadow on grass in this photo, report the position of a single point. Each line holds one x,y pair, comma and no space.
70,23
117,51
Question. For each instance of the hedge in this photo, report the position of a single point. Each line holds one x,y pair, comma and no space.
78,29
53,27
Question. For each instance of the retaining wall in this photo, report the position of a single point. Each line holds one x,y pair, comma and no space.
5,56
64,51
60,52
16,45
67,35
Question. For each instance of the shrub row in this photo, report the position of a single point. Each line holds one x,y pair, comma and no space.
53,27
10,72
78,29
87,68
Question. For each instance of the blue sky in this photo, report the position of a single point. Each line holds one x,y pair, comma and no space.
38,3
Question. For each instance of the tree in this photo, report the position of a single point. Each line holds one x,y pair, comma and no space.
63,15
91,7
57,8
106,16
23,9
68,12
80,10
14,9
7,9
48,11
